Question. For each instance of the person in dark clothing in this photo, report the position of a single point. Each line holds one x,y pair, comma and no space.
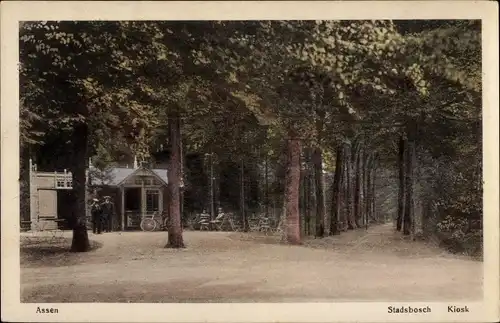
107,211
95,210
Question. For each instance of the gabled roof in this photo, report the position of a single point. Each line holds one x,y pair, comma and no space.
117,175
161,173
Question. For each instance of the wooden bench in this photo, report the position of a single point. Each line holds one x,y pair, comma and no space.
43,231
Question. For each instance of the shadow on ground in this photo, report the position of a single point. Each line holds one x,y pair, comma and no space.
377,239
39,252
371,265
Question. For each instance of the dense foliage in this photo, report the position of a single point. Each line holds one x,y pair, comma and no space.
274,105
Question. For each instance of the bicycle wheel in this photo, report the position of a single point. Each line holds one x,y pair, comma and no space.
165,224
148,224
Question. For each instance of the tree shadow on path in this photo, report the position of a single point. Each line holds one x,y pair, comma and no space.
41,252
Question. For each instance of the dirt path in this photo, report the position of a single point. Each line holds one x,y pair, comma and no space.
236,267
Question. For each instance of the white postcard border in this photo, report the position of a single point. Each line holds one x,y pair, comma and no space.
15,11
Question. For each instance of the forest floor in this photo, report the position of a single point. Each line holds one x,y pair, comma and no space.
373,265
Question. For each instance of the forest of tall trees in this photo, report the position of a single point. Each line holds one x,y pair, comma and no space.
315,117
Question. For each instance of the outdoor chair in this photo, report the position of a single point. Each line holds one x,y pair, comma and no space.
217,222
253,223
277,226
229,217
193,221
265,225
237,227
204,222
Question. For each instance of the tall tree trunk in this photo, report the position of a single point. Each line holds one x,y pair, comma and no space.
353,179
25,182
317,161
313,204
364,190
350,199
410,203
267,187
302,201
80,241
307,193
373,212
217,183
242,196
345,188
174,175
181,191
292,190
367,188
401,193
426,216
357,187
311,196
337,192
282,222
212,186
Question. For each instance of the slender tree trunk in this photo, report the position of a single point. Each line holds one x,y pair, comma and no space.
292,190
353,179
282,222
345,188
350,199
373,212
426,217
24,183
313,204
337,192
357,187
307,193
181,191
212,187
364,190
80,241
354,154
410,203
302,202
242,196
402,194
366,200
267,187
317,161
217,182
367,188
174,175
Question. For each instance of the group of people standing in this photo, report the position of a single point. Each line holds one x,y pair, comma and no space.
102,215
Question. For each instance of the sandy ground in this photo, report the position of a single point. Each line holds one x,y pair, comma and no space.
239,267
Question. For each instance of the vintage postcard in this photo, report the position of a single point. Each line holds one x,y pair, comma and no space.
250,161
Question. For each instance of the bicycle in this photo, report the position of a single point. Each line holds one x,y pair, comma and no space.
193,222
150,224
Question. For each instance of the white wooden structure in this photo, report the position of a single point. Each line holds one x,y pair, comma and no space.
43,195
